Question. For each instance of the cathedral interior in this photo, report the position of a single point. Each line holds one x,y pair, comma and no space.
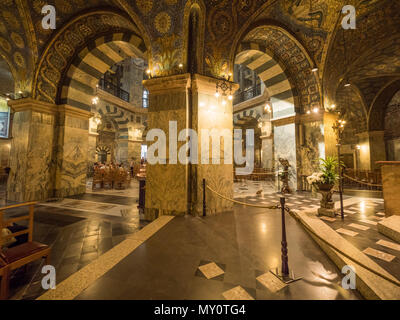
304,92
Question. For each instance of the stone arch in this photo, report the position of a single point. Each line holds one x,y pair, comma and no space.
118,118
92,62
282,94
104,36
377,111
284,49
255,113
351,104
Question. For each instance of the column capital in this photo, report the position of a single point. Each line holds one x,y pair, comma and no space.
74,112
29,104
163,85
207,85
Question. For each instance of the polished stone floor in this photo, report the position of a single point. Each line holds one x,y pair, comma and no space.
78,230
218,257
222,257
360,228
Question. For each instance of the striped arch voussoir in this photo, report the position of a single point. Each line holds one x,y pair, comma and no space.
93,61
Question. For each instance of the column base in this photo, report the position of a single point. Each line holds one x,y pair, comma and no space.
151,214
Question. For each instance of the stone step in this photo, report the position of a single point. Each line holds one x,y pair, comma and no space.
390,227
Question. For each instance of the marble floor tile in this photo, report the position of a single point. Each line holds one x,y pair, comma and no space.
271,282
379,254
347,232
372,223
328,219
388,244
237,293
359,227
211,270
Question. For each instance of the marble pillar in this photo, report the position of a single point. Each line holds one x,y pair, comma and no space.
31,155
391,186
72,134
167,183
211,113
175,188
330,137
48,152
285,147
373,149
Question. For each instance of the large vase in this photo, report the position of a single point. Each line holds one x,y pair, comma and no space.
327,205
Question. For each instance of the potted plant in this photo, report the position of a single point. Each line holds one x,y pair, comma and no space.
328,175
324,182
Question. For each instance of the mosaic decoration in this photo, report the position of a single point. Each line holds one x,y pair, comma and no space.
163,22
65,46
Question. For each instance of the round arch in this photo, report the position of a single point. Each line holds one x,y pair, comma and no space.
80,51
287,52
280,90
377,111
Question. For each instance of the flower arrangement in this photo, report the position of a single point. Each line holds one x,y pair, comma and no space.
328,174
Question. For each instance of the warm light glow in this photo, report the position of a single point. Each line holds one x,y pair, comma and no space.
314,69
308,112
268,108
358,147
347,85
95,100
217,95
148,71
180,65
230,97
333,107
224,102
316,110
202,104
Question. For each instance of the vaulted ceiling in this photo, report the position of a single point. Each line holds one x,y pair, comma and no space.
370,61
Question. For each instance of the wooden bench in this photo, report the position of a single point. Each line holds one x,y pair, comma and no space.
18,256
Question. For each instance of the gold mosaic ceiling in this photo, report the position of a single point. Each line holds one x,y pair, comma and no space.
162,23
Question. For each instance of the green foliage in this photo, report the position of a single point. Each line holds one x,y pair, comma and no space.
329,168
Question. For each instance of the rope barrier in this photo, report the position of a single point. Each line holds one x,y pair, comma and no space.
394,282
242,203
362,182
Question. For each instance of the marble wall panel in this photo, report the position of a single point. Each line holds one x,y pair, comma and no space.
285,147
72,156
31,156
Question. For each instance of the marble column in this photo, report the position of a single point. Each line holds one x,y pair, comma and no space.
210,113
286,146
72,143
48,152
372,149
330,135
166,182
31,155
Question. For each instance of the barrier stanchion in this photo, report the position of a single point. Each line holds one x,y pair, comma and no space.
310,230
204,198
284,275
